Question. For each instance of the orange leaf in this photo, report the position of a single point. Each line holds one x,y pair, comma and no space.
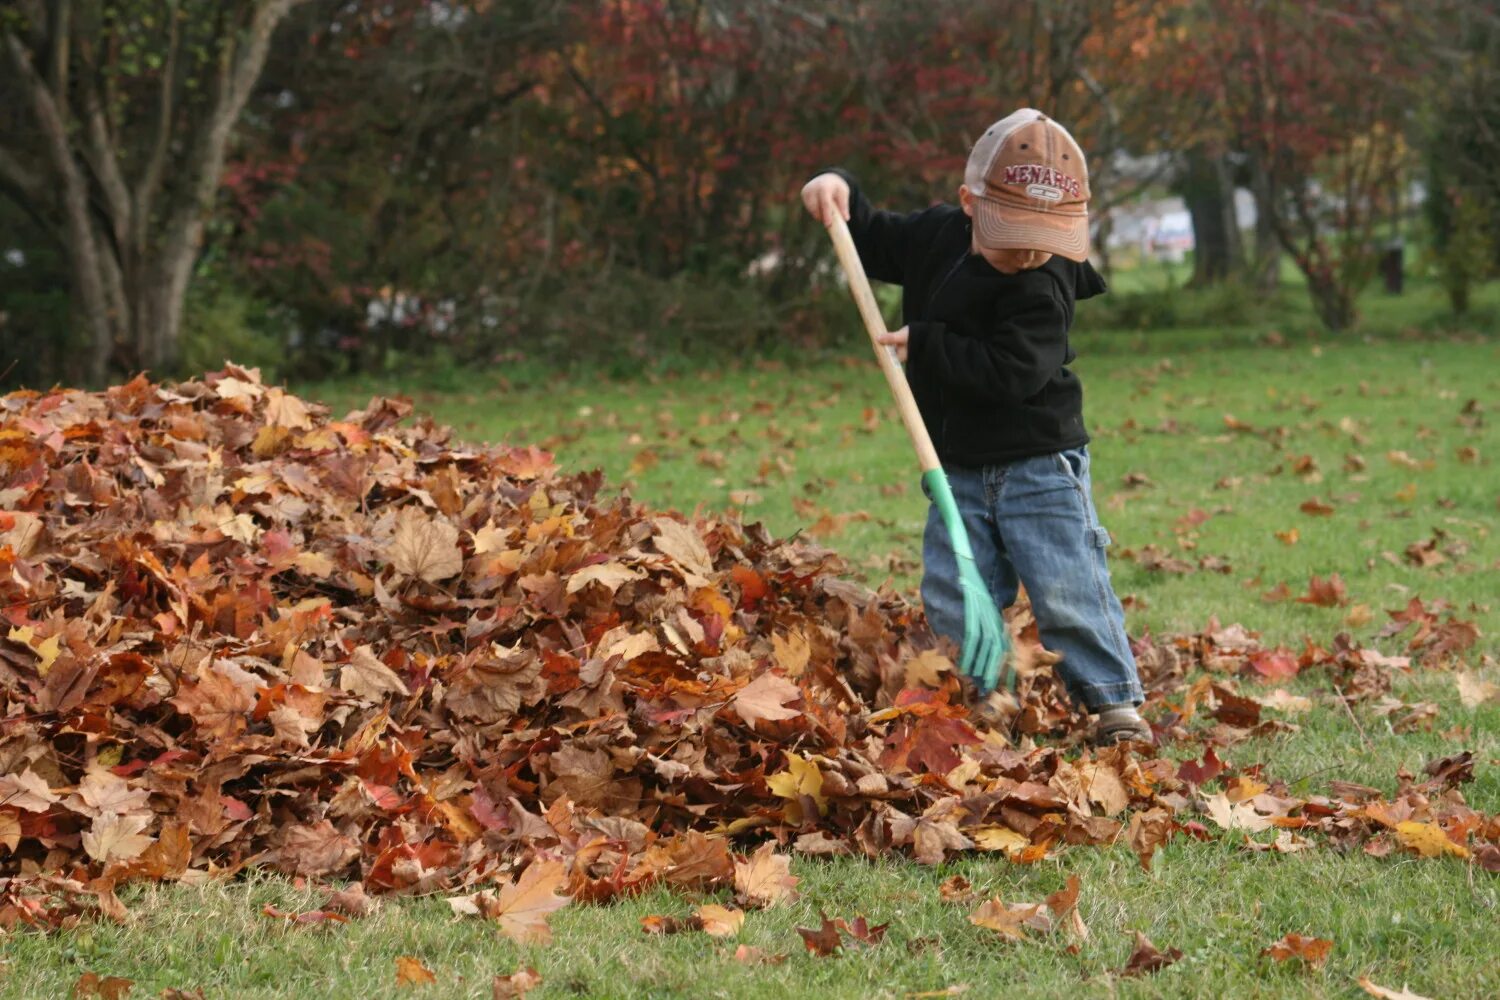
411,972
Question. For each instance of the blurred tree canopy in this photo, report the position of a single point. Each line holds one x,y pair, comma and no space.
323,186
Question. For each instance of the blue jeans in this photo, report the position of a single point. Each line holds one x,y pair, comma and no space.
1032,521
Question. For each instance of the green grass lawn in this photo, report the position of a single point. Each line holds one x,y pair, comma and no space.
1231,436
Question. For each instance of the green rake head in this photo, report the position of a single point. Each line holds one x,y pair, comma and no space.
985,656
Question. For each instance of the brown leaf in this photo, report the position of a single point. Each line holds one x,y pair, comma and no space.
367,677
515,985
766,697
1146,960
747,955
825,940
765,879
1012,920
1313,951
1327,593
90,984
411,972
424,546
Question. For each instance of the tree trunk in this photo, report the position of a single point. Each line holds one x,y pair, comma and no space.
1209,192
131,250
1333,301
1265,269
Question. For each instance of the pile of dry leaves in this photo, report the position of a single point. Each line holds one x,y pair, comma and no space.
240,632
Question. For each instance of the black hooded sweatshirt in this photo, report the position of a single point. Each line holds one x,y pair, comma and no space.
988,351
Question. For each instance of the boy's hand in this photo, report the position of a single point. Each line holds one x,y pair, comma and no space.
826,194
897,339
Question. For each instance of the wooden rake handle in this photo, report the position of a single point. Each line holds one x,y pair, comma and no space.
869,311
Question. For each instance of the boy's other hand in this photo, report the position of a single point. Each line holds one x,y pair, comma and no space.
897,339
826,194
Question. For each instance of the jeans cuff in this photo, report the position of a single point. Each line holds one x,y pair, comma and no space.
1096,696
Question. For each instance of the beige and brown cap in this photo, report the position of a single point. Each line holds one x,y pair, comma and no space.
1031,187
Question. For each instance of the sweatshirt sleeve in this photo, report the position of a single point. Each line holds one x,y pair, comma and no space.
1013,360
886,241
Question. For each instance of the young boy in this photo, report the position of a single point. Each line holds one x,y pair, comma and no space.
988,293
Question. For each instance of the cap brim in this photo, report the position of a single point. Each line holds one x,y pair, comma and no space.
1008,227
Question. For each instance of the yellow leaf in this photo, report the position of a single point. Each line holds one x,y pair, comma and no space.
792,652
411,972
719,921
802,777
1000,838
46,648
1428,839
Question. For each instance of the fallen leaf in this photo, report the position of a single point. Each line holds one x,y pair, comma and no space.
424,546
766,697
411,972
1388,994
1314,951
719,921
765,879
1146,960
91,984
1428,840
823,941
515,985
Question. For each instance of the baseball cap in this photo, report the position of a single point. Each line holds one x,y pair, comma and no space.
1030,184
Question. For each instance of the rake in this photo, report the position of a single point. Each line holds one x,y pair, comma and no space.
985,656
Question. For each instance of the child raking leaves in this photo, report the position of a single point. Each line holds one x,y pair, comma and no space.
989,288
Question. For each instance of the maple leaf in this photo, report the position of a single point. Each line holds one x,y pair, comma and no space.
424,547
747,955
765,878
1146,960
719,921
1013,920
351,901
1235,817
315,849
27,791
522,906
801,778
956,889
766,697
1000,838
367,677
823,941
515,985
117,838
103,791
609,575
47,650
1148,831
1473,691
1274,664
792,652
1428,840
682,543
216,703
411,972
1327,593
1313,951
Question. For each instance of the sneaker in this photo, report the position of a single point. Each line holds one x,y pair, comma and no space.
1120,725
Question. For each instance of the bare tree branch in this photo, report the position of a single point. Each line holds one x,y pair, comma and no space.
151,177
